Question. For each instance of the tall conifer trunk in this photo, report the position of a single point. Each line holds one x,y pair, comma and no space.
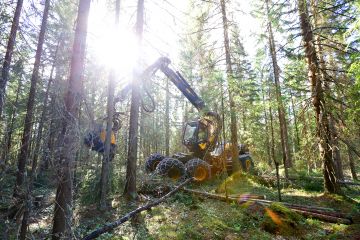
63,208
10,127
327,90
8,55
104,182
130,185
229,71
167,119
280,106
352,164
39,136
25,141
322,124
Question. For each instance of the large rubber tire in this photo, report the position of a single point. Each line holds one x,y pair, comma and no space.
152,161
171,168
198,169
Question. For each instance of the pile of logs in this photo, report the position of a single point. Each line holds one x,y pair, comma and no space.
321,213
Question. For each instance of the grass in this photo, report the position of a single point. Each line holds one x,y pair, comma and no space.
185,216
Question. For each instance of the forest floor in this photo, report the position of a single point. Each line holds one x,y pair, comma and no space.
187,216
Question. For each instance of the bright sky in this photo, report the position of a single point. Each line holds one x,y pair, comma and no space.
165,22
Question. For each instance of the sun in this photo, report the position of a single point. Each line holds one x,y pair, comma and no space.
114,47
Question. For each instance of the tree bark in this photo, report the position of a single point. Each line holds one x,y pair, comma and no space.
322,124
43,114
130,184
62,222
104,182
352,164
281,110
272,139
167,119
297,136
25,141
10,127
229,72
268,151
335,145
8,55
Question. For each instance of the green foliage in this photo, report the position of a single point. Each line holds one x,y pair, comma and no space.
90,187
311,183
184,198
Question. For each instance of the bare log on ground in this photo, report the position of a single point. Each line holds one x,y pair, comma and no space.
324,217
324,214
110,226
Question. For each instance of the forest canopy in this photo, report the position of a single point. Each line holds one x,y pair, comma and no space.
116,106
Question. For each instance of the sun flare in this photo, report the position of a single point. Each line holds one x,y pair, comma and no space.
114,47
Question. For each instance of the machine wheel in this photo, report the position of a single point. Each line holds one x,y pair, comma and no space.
171,168
198,169
152,161
247,165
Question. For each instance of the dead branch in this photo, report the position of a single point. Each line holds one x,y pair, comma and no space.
110,226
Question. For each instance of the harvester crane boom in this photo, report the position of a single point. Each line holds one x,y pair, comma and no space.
175,77
178,80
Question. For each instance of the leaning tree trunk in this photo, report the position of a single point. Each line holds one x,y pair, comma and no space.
233,121
63,208
130,184
25,141
281,110
322,123
8,55
105,168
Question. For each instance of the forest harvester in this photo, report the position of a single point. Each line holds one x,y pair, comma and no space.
206,157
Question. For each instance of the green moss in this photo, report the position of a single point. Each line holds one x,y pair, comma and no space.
281,220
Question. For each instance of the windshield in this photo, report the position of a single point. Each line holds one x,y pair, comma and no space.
189,131
203,133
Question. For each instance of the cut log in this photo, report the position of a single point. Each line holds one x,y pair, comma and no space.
247,196
324,214
324,217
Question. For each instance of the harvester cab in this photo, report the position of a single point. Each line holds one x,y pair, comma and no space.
200,136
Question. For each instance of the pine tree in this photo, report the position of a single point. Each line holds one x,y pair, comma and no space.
321,112
130,186
8,56
63,208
